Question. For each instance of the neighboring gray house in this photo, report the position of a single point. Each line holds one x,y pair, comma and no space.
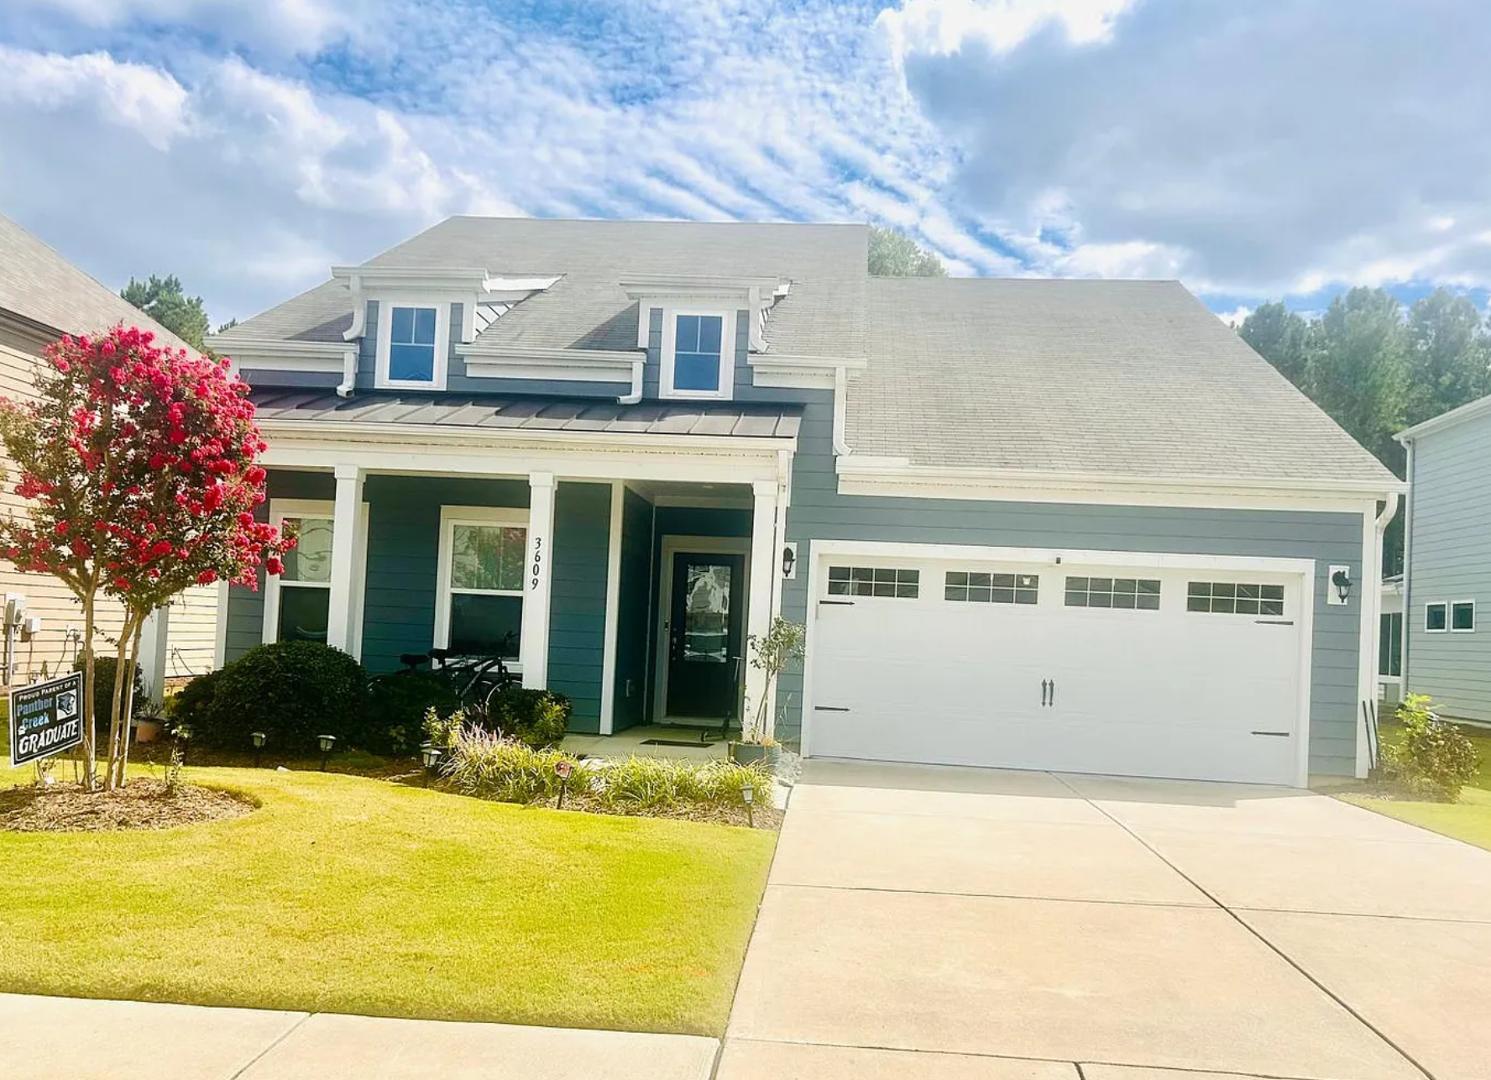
1070,525
1446,651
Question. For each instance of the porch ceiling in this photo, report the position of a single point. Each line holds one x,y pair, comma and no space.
497,412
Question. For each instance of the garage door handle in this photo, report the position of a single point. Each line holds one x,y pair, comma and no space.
1053,692
1045,689
830,708
1275,734
838,603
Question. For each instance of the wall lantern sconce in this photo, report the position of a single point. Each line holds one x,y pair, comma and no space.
789,561
1340,577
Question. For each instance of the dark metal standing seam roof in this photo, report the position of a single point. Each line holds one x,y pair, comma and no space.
495,412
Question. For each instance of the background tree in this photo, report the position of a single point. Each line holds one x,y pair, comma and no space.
894,254
1376,369
140,467
164,301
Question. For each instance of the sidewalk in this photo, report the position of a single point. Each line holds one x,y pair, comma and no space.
48,1038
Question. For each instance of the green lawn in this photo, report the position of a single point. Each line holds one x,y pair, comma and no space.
1468,820
352,894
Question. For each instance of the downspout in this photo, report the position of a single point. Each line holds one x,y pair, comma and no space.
636,392
353,333
349,373
841,393
1372,602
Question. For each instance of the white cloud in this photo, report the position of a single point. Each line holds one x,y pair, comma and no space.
941,27
291,26
134,96
1235,317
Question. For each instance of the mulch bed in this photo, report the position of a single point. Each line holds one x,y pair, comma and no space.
140,804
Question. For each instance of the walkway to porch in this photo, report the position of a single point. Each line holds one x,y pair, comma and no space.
652,740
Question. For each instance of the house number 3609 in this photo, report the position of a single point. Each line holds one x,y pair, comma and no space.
538,560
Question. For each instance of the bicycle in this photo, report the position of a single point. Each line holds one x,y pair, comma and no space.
475,679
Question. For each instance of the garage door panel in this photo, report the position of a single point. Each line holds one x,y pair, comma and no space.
1159,692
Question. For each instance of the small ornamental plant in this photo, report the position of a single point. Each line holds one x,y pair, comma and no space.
138,464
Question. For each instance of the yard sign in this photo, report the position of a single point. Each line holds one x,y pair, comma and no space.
45,718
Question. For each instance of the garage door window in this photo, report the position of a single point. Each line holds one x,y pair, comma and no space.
1140,594
873,581
982,588
1235,598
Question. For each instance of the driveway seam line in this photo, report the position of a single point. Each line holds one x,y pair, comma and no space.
1364,915
1253,931
1194,906
291,1030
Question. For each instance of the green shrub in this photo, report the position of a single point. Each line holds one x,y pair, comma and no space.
1432,758
188,707
396,709
291,690
664,783
536,717
443,731
492,766
104,669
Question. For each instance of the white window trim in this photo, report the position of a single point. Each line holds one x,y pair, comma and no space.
386,304
1451,621
279,509
512,517
1433,604
727,354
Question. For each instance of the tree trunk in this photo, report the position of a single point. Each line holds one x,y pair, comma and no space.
129,699
118,710
90,751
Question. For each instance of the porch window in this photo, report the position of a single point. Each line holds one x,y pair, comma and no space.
480,597
297,602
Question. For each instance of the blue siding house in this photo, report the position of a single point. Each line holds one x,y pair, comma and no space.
1073,525
1445,650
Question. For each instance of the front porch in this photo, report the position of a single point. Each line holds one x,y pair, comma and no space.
627,577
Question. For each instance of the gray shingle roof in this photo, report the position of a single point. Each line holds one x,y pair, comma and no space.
505,412
587,308
1134,378
39,284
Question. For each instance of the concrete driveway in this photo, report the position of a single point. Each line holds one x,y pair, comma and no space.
956,923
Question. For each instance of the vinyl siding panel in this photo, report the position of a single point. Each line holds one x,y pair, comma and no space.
1450,554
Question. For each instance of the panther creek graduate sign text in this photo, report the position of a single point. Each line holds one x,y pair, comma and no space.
46,718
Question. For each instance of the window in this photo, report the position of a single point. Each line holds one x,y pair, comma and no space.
1436,617
479,601
873,581
1390,644
982,588
1232,597
1462,616
411,344
698,354
1142,594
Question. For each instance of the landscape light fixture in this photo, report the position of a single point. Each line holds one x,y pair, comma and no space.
748,796
1341,579
327,743
430,755
259,738
562,768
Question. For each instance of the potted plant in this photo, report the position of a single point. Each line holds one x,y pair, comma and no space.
770,653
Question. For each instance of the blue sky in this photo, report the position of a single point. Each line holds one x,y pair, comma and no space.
1255,151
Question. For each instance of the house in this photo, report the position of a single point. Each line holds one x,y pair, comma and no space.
1445,651
42,297
1071,525
1390,642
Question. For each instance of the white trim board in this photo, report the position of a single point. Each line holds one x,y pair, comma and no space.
672,545
822,551
613,608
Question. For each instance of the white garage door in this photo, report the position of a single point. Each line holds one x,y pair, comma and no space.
1127,669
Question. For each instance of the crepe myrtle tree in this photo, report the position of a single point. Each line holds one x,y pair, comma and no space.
138,463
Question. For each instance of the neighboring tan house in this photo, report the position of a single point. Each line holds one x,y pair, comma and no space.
1070,525
1446,649
43,296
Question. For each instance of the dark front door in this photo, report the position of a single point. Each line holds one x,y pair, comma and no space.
704,635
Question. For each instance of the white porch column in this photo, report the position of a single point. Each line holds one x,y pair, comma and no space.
764,570
153,653
346,544
533,649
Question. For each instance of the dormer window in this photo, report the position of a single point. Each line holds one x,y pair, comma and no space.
412,342
698,354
